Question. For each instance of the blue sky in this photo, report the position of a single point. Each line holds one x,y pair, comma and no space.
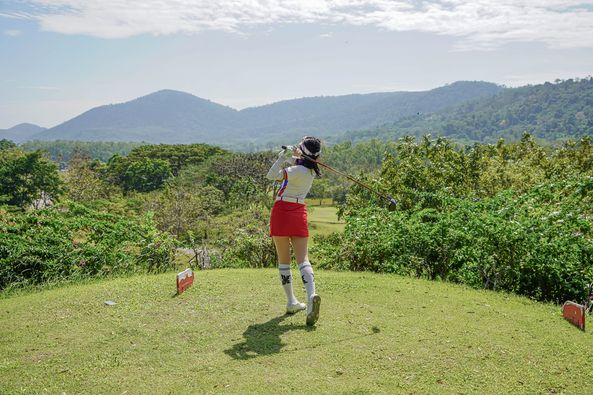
59,58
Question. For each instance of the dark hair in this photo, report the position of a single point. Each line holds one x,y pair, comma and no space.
311,148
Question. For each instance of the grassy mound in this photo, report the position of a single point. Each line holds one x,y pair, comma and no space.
376,334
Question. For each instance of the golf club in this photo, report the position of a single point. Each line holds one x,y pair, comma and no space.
390,199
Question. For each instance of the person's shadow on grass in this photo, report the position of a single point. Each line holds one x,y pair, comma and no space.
263,339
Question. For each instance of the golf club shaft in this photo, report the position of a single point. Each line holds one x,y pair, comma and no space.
351,179
354,180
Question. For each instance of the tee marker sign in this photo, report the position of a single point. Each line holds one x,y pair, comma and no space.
575,313
184,280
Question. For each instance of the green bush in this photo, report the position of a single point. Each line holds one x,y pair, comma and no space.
539,243
70,241
26,177
242,239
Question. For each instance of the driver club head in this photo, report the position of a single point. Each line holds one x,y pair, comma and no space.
392,204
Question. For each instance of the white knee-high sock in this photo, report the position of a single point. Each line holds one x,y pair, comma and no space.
286,280
308,278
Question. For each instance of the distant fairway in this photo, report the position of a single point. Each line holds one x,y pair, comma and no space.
377,334
323,219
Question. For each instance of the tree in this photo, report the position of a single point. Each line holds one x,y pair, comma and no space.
83,181
141,174
25,177
6,145
241,177
178,156
146,175
320,189
184,211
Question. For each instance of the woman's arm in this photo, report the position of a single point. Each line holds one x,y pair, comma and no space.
275,172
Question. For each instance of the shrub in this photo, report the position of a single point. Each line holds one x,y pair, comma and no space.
25,177
539,243
242,239
70,241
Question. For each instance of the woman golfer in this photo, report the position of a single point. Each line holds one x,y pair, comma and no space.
288,222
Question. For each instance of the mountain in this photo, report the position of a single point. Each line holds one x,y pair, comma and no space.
550,111
175,117
324,116
21,132
164,116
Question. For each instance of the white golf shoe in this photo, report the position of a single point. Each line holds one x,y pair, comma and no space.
313,309
295,307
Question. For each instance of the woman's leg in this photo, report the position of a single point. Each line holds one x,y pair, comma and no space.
283,251
300,247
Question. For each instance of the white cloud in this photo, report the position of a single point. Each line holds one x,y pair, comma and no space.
12,33
39,87
16,15
479,24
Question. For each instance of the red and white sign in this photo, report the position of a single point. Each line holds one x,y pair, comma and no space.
184,280
575,313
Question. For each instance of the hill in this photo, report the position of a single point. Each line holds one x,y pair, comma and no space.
163,116
377,334
550,111
324,116
21,132
176,117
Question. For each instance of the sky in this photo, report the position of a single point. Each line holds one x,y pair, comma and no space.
59,58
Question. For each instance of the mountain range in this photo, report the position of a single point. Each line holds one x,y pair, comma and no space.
468,111
169,116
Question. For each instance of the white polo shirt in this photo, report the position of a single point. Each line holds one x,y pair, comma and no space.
296,180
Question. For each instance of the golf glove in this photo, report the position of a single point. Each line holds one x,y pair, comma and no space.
285,153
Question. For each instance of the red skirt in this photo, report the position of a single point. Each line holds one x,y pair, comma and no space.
289,219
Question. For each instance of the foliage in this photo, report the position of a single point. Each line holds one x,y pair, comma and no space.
146,175
6,145
513,217
147,167
240,177
529,245
63,151
24,177
180,209
141,175
157,251
480,170
83,181
71,241
242,239
178,156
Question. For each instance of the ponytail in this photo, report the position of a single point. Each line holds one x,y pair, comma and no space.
309,164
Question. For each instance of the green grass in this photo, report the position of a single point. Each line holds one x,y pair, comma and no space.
227,334
323,220
319,201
